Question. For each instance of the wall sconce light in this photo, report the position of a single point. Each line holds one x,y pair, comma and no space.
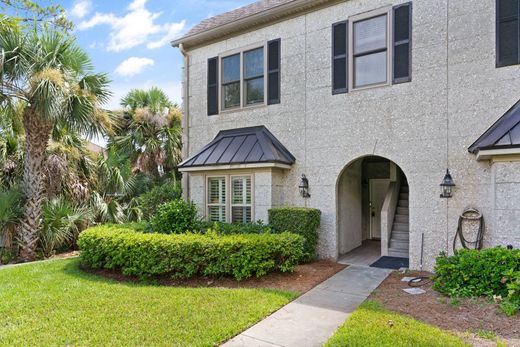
447,185
304,187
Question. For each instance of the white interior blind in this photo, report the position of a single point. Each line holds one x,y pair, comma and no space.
241,199
217,199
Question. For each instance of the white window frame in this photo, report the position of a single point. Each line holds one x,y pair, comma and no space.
231,204
206,195
389,56
227,181
243,101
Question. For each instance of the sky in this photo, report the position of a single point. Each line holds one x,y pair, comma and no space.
130,39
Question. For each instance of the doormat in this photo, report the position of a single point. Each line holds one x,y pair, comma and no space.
394,263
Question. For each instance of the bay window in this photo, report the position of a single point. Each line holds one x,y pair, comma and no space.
238,208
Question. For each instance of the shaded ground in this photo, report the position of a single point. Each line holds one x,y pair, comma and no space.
479,316
304,278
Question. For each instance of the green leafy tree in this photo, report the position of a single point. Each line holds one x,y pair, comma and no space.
151,134
27,11
48,71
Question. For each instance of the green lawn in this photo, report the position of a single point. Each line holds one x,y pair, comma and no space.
56,304
371,325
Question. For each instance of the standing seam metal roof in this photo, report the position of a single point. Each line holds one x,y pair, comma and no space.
241,146
505,133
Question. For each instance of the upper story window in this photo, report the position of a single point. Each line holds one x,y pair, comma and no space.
248,77
508,32
372,49
243,79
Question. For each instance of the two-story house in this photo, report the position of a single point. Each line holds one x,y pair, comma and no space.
371,100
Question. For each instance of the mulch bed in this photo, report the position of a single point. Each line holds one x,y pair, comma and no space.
468,315
304,278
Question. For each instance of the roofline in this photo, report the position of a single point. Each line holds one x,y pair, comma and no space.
506,152
263,17
237,166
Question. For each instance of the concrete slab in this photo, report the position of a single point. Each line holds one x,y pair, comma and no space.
312,318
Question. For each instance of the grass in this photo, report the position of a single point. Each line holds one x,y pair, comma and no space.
56,304
371,325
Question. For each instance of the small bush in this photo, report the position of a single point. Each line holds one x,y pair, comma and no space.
150,201
236,228
298,220
176,217
489,272
5,256
187,255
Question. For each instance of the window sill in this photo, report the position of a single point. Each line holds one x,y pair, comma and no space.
243,109
373,86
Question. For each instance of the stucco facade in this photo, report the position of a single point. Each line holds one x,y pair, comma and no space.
424,126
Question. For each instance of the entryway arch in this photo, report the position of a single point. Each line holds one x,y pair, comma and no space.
372,211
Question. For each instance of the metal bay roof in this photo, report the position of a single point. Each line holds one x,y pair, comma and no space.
505,133
254,145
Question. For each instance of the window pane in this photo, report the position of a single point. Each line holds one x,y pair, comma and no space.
241,214
231,68
255,91
241,190
231,95
370,34
217,190
254,63
370,69
217,213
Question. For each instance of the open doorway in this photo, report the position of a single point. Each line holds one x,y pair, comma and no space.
373,216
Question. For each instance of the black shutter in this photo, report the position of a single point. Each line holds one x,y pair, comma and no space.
508,35
402,64
212,86
339,57
273,72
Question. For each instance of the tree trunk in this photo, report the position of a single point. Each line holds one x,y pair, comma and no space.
37,132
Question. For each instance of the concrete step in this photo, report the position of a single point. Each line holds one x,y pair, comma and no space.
400,235
401,227
397,253
403,196
403,211
399,244
401,218
402,203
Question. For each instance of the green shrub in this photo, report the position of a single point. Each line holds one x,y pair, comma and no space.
187,255
511,304
235,228
476,273
150,201
176,217
298,220
5,256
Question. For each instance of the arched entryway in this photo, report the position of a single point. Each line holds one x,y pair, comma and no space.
372,211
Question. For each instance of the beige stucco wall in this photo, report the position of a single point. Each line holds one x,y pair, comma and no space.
423,126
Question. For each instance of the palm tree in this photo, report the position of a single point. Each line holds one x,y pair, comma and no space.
54,77
151,133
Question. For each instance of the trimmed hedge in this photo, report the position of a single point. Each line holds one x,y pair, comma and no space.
187,255
475,273
235,228
298,220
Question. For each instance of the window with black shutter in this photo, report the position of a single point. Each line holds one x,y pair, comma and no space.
508,32
273,72
212,86
402,43
339,58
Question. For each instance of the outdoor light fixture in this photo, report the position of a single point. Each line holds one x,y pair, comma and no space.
447,185
304,187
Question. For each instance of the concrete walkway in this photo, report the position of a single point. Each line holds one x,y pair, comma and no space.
312,318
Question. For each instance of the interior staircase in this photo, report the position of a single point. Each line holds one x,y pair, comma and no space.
400,237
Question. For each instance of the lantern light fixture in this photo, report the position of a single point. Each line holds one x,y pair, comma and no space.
447,185
304,187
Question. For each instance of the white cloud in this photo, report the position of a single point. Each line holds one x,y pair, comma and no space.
133,66
136,27
173,31
81,8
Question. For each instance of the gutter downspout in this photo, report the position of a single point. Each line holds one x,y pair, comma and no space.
186,120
